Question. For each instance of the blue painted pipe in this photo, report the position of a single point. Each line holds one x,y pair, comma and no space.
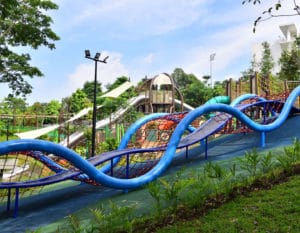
98,176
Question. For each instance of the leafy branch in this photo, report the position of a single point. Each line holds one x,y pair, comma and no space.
273,11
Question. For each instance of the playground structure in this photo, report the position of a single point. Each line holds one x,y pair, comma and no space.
147,148
156,95
160,92
265,86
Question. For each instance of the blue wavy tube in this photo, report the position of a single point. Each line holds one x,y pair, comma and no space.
138,124
129,132
94,173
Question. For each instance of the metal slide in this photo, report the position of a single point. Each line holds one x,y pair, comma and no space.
39,132
100,124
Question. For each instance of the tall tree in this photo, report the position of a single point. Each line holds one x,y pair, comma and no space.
197,94
23,23
290,64
267,63
254,67
12,105
88,89
15,107
53,107
182,79
78,101
37,108
194,91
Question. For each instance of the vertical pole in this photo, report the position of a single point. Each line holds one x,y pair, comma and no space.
94,112
111,167
96,60
16,203
8,200
127,166
285,90
7,129
206,154
263,139
256,83
210,72
187,152
264,113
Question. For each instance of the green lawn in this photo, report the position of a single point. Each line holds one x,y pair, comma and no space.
274,210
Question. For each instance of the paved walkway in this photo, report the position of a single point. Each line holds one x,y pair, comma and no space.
49,207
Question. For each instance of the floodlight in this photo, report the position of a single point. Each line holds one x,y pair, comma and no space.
97,56
87,53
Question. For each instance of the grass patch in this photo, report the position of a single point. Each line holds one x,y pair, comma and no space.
274,210
191,197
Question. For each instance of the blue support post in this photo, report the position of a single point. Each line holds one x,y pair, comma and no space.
206,154
8,200
202,143
264,113
127,166
16,203
111,167
127,171
187,152
263,139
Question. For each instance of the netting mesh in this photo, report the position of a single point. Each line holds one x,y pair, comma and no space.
22,167
145,148
153,134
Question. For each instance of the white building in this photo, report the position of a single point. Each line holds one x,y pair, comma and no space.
285,42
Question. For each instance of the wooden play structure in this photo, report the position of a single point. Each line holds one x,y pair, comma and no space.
268,87
160,94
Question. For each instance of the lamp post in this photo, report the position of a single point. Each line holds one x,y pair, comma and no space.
96,59
211,58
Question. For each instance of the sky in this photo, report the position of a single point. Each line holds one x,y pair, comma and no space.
148,37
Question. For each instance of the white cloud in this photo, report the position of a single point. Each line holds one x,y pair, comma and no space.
107,73
148,59
131,16
157,36
233,44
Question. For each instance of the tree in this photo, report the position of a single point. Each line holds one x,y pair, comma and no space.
182,79
266,64
110,105
15,107
219,88
197,94
290,64
194,91
37,108
88,89
273,11
78,101
247,74
53,107
23,23
119,81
